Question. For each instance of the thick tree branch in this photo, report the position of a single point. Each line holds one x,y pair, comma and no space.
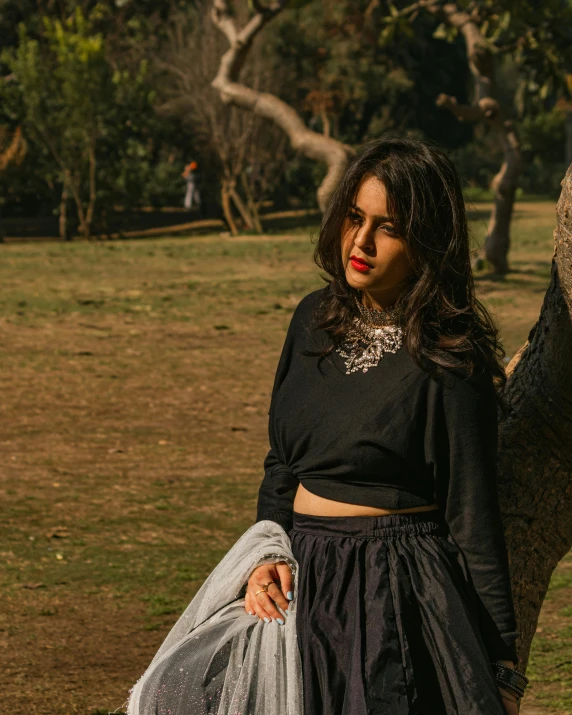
487,109
535,439
316,146
479,52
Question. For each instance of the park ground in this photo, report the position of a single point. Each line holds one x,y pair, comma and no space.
135,381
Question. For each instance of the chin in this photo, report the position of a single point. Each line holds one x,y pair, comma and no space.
359,282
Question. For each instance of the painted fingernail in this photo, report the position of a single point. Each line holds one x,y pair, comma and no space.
251,613
280,621
266,620
289,595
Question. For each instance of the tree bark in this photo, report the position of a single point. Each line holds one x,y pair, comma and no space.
63,220
535,440
239,203
487,109
504,184
316,146
227,208
252,205
569,136
74,183
92,190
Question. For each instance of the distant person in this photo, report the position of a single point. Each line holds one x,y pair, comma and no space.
191,176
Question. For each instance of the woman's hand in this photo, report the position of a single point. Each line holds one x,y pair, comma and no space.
507,696
278,593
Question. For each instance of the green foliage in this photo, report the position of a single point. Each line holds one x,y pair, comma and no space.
343,77
340,79
76,108
543,137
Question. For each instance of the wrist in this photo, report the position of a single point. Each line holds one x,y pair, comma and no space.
511,682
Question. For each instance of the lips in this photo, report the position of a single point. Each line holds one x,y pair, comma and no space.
359,264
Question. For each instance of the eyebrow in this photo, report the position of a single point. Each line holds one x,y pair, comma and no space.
379,218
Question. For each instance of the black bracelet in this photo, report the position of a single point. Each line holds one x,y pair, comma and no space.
510,679
518,694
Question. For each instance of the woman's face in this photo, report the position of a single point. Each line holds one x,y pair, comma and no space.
373,255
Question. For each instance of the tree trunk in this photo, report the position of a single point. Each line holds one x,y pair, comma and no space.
74,184
485,108
242,210
334,154
63,222
227,209
505,184
252,205
569,137
535,440
92,192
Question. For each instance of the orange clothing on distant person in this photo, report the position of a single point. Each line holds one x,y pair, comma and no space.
193,166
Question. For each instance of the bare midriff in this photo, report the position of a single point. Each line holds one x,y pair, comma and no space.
307,503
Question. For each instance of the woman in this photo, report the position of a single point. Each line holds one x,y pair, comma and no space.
382,466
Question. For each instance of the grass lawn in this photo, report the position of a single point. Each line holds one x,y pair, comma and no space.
136,379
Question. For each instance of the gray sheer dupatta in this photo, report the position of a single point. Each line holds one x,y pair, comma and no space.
219,660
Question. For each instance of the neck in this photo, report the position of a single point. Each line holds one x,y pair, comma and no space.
378,302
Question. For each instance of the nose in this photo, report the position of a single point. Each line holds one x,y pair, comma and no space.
364,237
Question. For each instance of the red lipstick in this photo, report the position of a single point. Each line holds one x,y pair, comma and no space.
359,264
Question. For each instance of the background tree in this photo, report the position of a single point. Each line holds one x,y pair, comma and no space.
246,151
68,99
323,60
537,38
64,85
331,152
12,151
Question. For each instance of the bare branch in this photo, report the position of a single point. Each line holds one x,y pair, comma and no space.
269,10
316,146
486,109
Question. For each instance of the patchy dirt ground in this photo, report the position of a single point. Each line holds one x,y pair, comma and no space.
135,382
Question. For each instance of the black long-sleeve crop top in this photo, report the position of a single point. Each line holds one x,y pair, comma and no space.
392,437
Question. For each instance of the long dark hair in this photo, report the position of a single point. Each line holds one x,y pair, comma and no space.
445,325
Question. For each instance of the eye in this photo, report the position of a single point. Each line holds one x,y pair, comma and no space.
389,229
354,218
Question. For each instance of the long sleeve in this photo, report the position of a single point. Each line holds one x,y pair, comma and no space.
278,488
467,492
276,493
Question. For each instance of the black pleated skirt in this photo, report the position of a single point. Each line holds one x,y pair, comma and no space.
386,619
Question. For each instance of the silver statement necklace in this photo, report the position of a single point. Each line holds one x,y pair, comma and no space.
372,334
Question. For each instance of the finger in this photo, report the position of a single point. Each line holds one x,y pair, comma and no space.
259,610
248,605
277,596
262,574
285,575
269,606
